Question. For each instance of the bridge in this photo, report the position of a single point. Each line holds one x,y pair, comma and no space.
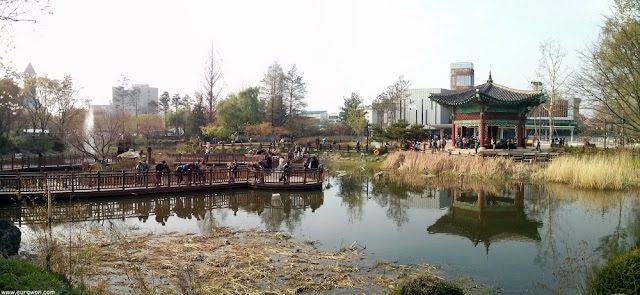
101,183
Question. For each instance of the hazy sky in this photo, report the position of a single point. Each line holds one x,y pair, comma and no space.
340,46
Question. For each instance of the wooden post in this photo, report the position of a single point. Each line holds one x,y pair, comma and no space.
169,178
98,180
304,178
73,176
146,179
123,177
19,182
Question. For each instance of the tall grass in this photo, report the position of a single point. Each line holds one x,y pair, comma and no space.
601,171
442,164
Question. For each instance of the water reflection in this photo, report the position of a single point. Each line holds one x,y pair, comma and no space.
278,207
487,217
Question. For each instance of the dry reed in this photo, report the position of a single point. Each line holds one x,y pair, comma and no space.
442,164
603,171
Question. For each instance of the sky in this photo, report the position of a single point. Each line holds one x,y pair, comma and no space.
340,46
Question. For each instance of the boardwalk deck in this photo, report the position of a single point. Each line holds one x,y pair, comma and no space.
100,184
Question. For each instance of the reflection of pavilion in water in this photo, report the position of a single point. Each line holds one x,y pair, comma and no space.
186,207
487,218
430,198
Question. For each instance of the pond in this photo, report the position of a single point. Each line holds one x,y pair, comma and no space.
513,236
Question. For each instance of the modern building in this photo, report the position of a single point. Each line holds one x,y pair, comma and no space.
417,108
462,75
334,118
320,115
421,110
565,119
145,96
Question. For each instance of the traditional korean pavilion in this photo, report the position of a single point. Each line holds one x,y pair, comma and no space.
487,110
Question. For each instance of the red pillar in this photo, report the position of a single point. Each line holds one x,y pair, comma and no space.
520,132
482,142
453,133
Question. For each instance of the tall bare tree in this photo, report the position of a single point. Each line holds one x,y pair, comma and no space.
41,94
295,92
97,143
272,94
393,100
609,77
164,103
134,97
554,75
10,104
66,107
120,97
210,82
18,10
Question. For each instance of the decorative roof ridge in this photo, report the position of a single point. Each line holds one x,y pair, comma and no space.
517,90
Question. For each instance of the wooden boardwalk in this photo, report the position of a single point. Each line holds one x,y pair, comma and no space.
101,184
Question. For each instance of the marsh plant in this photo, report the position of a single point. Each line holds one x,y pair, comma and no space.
615,171
439,164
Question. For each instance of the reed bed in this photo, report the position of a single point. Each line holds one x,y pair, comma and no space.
439,164
601,171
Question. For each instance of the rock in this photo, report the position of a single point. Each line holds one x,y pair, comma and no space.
10,238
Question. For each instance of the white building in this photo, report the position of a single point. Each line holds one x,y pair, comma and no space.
146,95
419,109
334,118
320,115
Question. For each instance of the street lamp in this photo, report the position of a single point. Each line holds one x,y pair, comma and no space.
414,107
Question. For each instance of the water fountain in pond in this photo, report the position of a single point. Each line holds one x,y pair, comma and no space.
88,127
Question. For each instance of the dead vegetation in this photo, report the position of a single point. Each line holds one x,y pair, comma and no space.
237,262
439,164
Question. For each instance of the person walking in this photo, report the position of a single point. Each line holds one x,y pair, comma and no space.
476,146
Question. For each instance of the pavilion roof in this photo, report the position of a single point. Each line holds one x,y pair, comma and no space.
489,229
490,92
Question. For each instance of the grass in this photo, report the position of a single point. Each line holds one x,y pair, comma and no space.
351,161
427,285
19,275
611,171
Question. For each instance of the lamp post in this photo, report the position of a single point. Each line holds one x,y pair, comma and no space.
413,107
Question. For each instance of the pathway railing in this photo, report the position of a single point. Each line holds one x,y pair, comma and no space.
127,180
11,163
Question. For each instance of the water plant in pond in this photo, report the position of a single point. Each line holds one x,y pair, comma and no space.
438,164
600,171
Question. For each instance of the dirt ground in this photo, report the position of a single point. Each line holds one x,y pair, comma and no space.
228,261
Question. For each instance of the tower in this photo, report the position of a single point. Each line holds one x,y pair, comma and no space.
462,76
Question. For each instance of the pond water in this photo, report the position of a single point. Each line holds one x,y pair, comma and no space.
515,236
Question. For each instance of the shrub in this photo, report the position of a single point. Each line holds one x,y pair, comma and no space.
426,285
621,275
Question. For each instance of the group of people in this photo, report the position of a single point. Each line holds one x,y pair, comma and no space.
434,143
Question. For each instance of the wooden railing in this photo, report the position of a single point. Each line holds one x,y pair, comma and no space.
25,162
101,181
